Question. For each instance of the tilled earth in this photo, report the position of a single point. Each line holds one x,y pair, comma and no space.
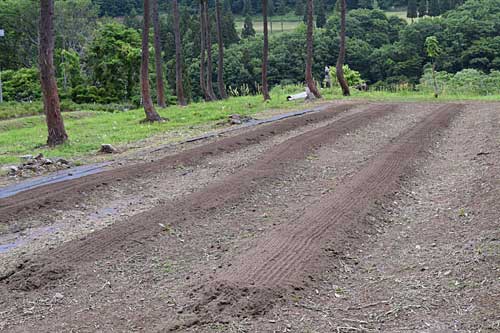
361,217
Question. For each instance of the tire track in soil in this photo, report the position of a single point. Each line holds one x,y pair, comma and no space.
289,257
63,194
133,233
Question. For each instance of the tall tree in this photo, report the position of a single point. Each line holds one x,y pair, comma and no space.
434,8
321,16
340,60
433,51
181,100
422,8
265,53
281,10
412,9
149,109
247,8
160,86
309,58
208,40
51,104
299,7
220,42
270,13
203,44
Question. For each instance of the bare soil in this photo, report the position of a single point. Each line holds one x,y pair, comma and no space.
362,217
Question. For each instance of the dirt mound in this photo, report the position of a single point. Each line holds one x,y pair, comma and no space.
221,301
30,276
284,260
64,194
141,227
226,298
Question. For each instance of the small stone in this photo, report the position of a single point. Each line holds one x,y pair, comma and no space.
62,161
47,161
31,167
13,169
26,157
235,119
108,149
29,162
59,296
39,156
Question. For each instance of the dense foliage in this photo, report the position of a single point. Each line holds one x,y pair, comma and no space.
97,59
465,82
245,7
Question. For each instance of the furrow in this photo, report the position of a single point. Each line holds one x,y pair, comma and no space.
63,194
133,232
285,257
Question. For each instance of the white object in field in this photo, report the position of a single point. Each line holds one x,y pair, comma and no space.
2,33
301,95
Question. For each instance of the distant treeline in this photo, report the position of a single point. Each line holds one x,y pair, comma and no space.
98,59
118,8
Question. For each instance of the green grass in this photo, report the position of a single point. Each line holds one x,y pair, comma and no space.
16,110
89,129
401,14
419,96
289,23
11,110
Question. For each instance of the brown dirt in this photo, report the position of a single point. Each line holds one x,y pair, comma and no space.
63,194
145,225
311,233
289,257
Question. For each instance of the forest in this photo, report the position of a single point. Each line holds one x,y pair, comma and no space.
98,46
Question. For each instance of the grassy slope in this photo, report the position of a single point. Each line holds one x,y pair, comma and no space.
89,129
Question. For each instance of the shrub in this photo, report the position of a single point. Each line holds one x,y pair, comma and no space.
22,85
466,82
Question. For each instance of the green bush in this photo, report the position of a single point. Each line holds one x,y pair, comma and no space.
10,110
22,85
353,77
466,82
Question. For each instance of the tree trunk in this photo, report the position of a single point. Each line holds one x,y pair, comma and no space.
63,68
203,85
220,42
434,81
151,114
208,40
178,57
160,87
340,61
51,105
309,59
265,53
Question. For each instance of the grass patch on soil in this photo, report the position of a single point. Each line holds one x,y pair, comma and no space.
11,110
419,96
89,129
